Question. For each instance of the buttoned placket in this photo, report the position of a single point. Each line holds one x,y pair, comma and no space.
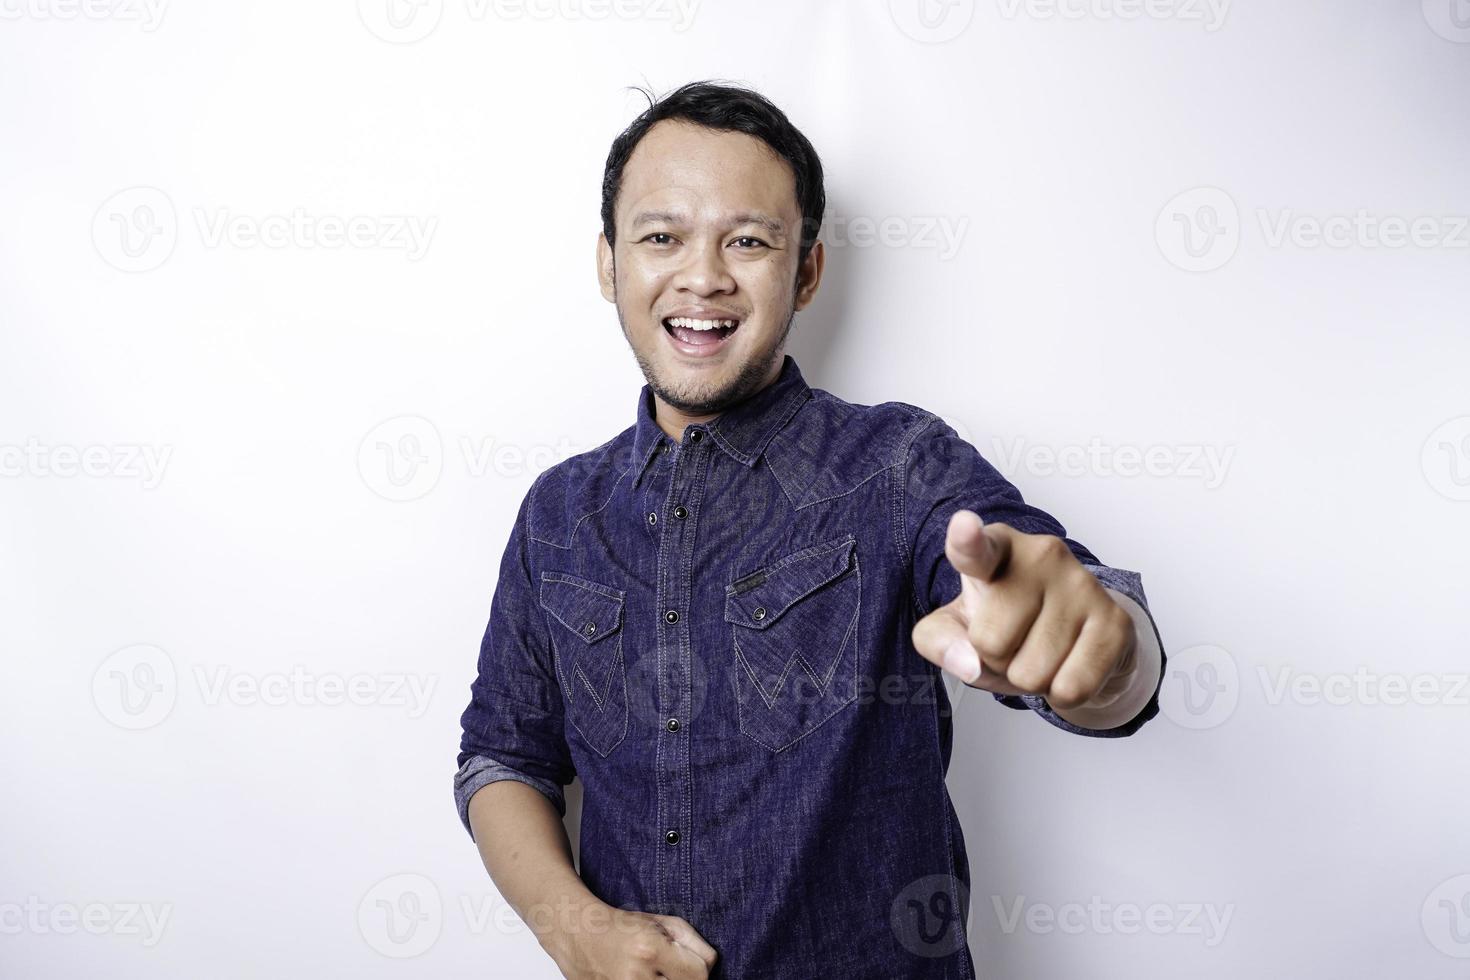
675,530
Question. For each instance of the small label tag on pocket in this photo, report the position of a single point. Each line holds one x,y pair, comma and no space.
749,582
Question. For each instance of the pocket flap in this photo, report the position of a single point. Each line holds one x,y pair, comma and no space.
757,600
590,610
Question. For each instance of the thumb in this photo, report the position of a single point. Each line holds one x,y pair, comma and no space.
975,548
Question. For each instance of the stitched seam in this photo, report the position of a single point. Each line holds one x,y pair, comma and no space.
585,583
900,490
551,608
787,410
590,689
777,477
697,497
558,656
809,551
902,483
852,489
852,632
744,663
822,682
572,535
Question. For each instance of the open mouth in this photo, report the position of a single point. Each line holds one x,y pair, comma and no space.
697,336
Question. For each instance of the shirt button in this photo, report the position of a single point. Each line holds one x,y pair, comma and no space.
672,616
680,512
664,448
696,435
672,837
673,725
760,612
590,628
652,517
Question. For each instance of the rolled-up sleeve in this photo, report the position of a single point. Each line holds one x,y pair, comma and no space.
943,474
513,725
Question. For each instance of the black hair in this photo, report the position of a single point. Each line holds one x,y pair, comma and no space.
730,108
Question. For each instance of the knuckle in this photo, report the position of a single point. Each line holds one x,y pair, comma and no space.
1055,637
1027,676
1119,626
987,638
922,634
1052,546
1068,692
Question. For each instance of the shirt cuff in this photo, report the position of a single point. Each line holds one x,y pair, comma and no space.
480,771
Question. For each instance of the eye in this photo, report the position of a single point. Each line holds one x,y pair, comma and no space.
755,242
658,234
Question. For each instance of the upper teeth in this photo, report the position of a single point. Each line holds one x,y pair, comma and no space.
693,324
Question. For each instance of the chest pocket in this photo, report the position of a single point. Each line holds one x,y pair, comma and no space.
586,625
793,628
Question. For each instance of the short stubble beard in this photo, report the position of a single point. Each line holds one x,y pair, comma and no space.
747,381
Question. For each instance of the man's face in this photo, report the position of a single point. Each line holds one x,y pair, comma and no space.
708,230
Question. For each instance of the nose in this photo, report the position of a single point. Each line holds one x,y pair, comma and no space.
704,271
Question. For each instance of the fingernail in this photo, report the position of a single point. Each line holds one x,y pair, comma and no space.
961,660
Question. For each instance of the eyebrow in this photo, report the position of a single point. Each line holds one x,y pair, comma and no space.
774,225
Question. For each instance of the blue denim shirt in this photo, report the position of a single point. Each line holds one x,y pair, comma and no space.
714,633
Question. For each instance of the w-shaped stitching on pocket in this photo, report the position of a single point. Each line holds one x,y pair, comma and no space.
585,613
802,609
798,659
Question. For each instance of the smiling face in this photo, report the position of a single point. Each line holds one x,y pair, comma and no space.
704,271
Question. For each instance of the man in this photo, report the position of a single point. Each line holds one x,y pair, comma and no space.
730,619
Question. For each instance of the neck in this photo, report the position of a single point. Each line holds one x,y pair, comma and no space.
673,420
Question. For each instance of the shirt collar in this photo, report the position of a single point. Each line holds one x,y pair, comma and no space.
742,431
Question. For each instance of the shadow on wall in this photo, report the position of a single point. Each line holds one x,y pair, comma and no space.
818,331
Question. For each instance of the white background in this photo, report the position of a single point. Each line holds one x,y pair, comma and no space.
1303,588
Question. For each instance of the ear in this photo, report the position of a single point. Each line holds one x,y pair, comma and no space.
809,276
605,269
